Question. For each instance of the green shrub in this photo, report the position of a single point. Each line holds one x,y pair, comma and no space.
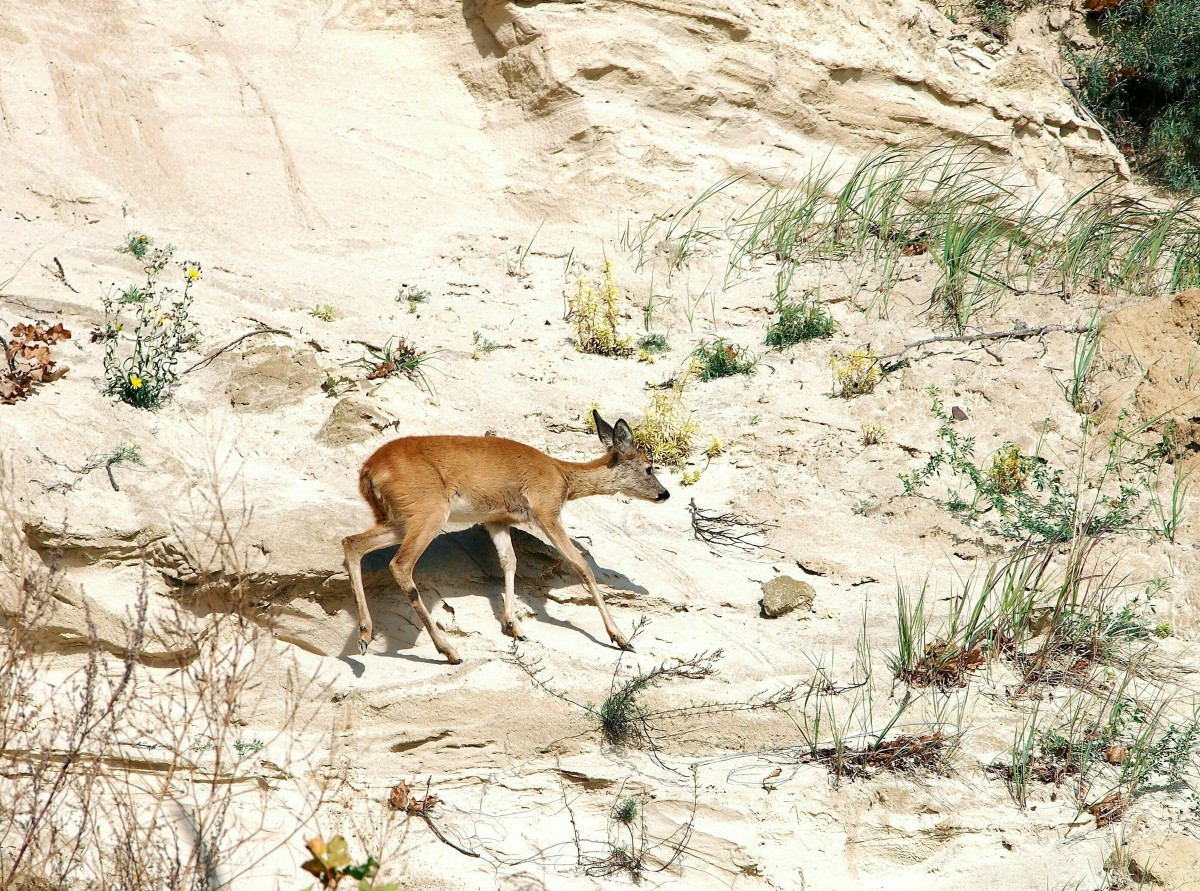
1143,83
720,358
798,322
161,330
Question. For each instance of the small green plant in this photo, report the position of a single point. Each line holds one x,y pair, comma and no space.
996,16
654,343
720,358
689,477
668,433
1082,366
1009,470
396,357
798,322
331,862
413,296
161,331
247,746
856,374
137,245
1169,513
325,312
482,346
715,448
626,810
595,314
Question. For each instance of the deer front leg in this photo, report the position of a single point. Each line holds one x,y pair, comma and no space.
502,539
416,540
551,525
355,548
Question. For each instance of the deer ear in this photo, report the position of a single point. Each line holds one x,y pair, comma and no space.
603,430
622,437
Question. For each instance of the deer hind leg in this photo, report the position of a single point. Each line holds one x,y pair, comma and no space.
417,538
552,526
356,547
502,539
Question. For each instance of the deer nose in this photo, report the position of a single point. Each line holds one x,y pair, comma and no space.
664,495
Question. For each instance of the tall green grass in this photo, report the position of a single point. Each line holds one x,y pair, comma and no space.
960,207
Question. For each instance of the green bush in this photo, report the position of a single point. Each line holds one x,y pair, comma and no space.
1143,83
798,322
161,330
720,358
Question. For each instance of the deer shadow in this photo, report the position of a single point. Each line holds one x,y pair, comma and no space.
464,564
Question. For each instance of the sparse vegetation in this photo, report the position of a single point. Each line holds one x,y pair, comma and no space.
720,358
798,322
1019,495
137,245
855,374
325,312
668,433
593,310
873,433
413,296
396,357
146,374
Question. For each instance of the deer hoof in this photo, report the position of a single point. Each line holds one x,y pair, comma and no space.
512,629
363,643
624,645
452,656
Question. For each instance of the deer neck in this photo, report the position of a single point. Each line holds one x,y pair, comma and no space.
590,477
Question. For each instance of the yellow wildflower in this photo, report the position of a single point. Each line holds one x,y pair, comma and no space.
192,273
135,382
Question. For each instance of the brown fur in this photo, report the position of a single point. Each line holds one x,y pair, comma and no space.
415,484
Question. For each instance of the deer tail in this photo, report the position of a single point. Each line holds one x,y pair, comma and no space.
367,487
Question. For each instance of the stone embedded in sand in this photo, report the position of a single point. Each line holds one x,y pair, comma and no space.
271,376
354,419
784,594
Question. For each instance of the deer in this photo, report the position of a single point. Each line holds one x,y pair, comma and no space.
414,485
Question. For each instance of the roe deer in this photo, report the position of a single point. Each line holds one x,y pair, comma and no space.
417,483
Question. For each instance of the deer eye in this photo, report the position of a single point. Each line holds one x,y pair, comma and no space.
649,471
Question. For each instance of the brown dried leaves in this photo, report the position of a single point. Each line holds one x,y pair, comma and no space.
28,360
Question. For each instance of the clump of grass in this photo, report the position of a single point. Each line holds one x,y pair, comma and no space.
161,332
137,245
689,477
715,448
1082,366
654,343
413,296
668,433
720,358
395,357
798,322
325,312
873,433
855,374
596,316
